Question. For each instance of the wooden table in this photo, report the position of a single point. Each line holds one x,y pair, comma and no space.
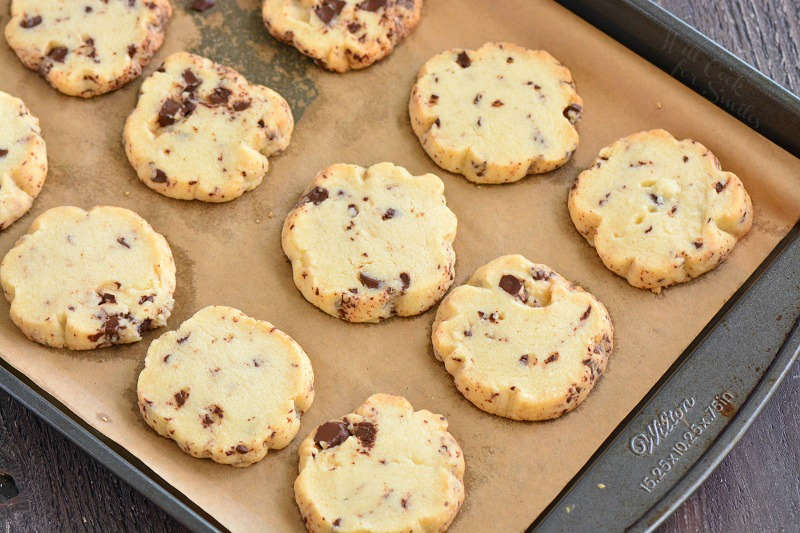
756,486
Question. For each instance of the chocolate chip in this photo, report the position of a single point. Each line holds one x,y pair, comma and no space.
573,112
551,358
352,210
327,9
388,214
202,5
433,99
368,282
219,96
718,186
3,152
30,22
649,229
331,433
477,98
540,275
511,284
241,448
371,5
337,522
698,243
241,105
180,397
656,199
317,195
146,298
405,279
166,115
58,54
184,339
586,313
107,298
189,104
497,103
685,158
353,27
159,177
509,59
523,359
190,79
404,501
463,60
145,325
131,50
365,432
437,122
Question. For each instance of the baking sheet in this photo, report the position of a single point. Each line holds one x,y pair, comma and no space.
230,254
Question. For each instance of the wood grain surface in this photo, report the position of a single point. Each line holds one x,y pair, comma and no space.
57,487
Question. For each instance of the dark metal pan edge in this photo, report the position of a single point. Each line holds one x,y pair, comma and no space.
121,462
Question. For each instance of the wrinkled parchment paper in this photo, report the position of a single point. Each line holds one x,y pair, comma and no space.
229,254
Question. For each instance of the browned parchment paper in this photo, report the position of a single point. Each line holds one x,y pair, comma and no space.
230,253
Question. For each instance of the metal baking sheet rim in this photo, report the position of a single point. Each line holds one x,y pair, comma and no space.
147,482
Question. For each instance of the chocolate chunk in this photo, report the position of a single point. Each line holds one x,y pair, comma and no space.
131,50
241,448
388,214
189,104
159,177
30,22
511,284
58,54
107,298
317,195
145,325
327,9
572,113
166,116
219,96
190,79
586,313
241,105
146,298
332,433
718,186
353,27
180,397
368,282
540,275
463,60
405,279
3,152
371,5
366,432
202,5
698,243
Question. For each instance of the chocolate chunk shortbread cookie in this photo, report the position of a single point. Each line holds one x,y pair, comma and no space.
226,386
201,131
87,279
368,243
521,341
496,114
88,47
659,211
383,468
342,34
23,159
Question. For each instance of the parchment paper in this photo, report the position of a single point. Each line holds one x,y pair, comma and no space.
230,254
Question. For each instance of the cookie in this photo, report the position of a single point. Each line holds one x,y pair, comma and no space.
341,35
226,386
521,341
83,280
383,468
496,114
369,243
200,131
659,211
89,47
23,159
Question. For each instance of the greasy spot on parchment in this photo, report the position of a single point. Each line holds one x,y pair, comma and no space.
243,43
